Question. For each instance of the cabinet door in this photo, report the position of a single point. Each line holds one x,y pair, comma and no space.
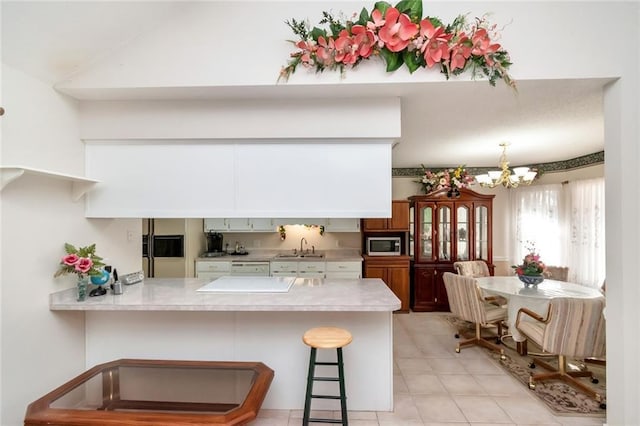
424,289
342,225
426,235
482,232
215,224
239,224
462,231
444,246
262,225
398,282
399,216
374,225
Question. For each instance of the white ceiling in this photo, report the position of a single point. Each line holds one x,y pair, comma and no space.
443,124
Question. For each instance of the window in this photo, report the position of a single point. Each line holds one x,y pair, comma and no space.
566,223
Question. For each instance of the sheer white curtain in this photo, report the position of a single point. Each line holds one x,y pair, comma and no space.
566,223
537,218
585,246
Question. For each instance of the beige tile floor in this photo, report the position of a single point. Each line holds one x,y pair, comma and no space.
435,386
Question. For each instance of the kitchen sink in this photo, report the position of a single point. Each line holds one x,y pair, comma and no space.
297,256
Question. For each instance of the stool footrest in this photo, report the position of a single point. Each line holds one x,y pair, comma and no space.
326,363
326,379
312,420
325,396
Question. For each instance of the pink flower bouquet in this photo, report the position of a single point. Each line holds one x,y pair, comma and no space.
81,261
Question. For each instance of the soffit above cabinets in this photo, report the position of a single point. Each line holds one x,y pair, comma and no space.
199,179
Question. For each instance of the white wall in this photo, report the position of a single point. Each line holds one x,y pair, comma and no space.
41,349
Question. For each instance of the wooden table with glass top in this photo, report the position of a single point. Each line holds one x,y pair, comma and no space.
158,393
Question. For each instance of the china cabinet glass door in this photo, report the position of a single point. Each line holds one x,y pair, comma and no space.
444,233
462,232
482,232
426,232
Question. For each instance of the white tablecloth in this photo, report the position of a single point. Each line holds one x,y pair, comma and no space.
534,298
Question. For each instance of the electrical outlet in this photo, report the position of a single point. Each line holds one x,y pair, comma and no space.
129,235
337,243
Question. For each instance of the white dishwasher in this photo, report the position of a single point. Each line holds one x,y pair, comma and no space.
248,268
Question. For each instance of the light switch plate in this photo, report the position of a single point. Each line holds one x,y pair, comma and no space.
132,278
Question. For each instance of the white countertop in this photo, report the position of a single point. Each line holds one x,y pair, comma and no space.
179,294
272,255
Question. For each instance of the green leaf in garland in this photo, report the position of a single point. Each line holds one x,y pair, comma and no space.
364,17
412,60
393,59
435,22
317,32
382,6
413,8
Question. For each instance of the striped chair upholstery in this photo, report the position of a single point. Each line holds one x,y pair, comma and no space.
472,268
558,273
467,303
572,328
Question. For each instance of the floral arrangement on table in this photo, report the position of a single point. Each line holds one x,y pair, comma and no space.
400,35
531,264
451,179
82,261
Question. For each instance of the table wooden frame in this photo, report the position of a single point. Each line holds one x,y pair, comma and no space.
40,412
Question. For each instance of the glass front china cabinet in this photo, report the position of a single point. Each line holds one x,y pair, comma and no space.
447,230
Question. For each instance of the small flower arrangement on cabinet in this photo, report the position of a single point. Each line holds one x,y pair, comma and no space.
451,179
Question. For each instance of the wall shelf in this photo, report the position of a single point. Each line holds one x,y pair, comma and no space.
80,185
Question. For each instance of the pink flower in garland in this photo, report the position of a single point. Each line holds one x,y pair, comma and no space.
482,45
460,52
436,45
377,21
351,48
326,51
308,49
398,30
364,39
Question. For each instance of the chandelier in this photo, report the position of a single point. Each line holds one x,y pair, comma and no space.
493,178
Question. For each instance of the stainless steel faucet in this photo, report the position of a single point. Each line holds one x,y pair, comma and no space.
305,241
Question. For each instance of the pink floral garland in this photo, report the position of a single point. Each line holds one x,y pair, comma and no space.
401,36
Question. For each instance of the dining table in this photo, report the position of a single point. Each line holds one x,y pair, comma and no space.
533,297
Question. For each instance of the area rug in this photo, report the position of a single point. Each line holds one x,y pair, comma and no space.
559,397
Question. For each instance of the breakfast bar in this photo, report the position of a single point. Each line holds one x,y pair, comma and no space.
171,319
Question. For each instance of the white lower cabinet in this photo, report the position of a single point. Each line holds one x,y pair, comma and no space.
311,269
284,269
342,269
212,269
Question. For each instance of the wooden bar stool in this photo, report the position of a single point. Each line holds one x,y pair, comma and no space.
326,338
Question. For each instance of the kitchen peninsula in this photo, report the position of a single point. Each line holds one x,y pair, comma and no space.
170,319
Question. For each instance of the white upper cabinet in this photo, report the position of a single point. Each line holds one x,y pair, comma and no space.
342,225
239,225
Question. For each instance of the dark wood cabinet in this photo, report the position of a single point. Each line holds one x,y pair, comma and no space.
394,271
398,222
447,230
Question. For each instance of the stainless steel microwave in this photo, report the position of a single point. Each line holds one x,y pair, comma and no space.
383,246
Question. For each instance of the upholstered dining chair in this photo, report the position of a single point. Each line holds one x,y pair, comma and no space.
558,273
477,268
471,268
572,328
466,302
